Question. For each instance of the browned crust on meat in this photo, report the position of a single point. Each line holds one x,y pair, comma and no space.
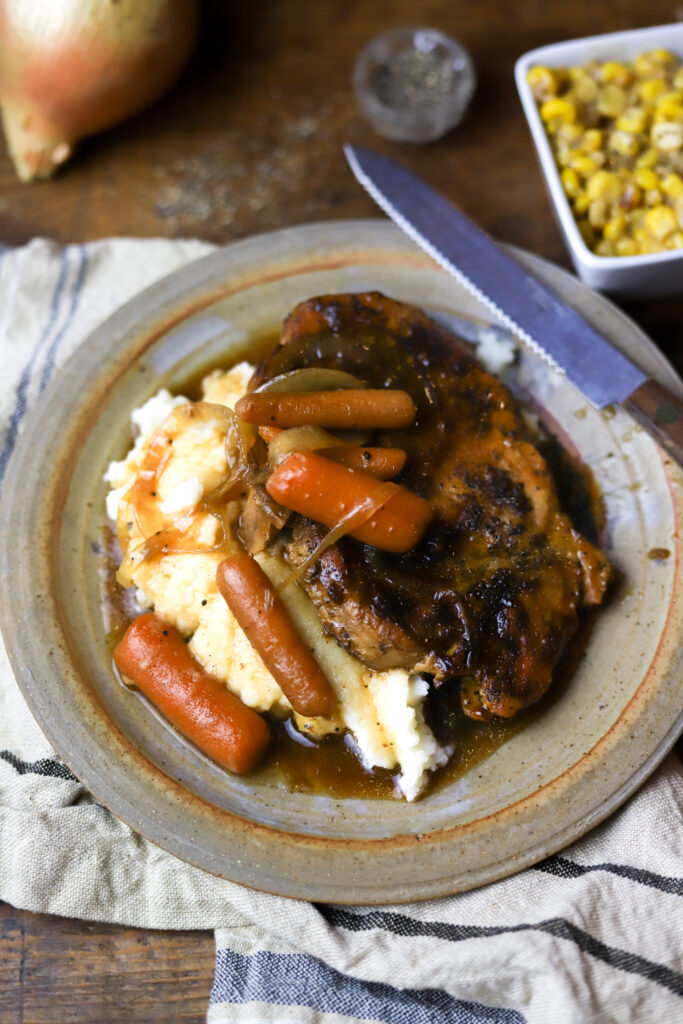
345,610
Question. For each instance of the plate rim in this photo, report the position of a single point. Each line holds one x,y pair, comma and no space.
176,283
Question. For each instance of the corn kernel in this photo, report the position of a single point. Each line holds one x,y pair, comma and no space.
626,247
646,178
637,218
597,213
586,232
669,108
648,158
611,100
613,71
662,56
678,79
583,165
676,240
569,133
631,198
672,184
615,227
604,185
570,182
652,63
604,248
660,221
672,96
633,119
581,203
642,238
543,82
624,143
558,109
652,89
592,140
653,197
667,136
585,90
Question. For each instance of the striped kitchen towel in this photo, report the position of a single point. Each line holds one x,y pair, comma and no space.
591,935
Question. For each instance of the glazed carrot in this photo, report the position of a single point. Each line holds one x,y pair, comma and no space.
154,657
383,463
343,409
314,486
268,433
253,600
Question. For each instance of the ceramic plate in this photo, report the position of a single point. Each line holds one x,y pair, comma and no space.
593,745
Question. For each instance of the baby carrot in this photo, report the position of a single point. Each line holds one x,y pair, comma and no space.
154,656
253,600
341,409
269,433
383,463
314,486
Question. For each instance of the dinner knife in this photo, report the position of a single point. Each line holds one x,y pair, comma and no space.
518,299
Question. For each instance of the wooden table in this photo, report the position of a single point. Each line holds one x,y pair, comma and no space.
248,141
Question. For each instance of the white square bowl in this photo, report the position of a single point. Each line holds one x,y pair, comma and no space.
639,277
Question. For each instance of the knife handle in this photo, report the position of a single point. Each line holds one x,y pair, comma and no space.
661,414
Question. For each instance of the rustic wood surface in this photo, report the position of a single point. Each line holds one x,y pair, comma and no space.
248,141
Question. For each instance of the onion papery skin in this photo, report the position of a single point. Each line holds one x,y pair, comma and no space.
71,68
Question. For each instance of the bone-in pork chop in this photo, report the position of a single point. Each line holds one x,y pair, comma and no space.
492,591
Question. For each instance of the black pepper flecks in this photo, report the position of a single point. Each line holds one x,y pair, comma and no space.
414,80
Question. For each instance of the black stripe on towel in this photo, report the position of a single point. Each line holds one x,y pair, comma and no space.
47,766
560,928
563,868
296,979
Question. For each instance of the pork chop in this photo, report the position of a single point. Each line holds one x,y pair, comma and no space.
492,591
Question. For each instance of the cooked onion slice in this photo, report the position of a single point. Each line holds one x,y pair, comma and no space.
313,378
300,439
358,514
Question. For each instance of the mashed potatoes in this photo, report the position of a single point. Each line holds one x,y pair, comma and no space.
382,710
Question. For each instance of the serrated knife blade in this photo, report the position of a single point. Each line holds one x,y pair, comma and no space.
518,300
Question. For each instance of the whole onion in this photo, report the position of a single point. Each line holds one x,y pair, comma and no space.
69,68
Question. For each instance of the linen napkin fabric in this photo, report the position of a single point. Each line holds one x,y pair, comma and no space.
591,935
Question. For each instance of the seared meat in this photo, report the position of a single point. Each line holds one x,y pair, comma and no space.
345,605
491,592
261,520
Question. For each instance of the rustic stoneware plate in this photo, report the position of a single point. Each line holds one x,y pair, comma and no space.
595,742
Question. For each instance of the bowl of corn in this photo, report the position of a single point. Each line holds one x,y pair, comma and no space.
606,115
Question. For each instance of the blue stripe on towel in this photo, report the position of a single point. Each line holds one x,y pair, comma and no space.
20,401
76,291
295,979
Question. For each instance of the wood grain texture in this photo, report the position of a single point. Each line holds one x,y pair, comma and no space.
248,141
57,971
661,414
